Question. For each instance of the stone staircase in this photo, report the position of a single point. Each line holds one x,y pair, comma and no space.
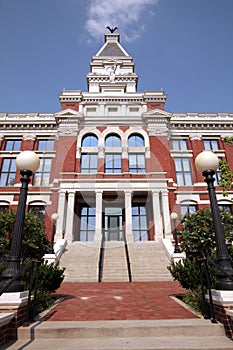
115,265
184,334
81,261
148,262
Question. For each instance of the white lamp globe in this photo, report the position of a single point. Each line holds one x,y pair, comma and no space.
28,160
206,160
55,216
174,216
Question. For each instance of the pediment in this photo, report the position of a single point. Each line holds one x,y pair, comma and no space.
157,113
68,113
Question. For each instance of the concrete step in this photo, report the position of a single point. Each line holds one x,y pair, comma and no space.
148,262
81,262
186,334
115,265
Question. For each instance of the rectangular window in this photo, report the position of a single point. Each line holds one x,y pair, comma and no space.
87,224
113,163
38,210
217,175
4,208
13,145
46,145
42,176
211,145
8,171
187,209
137,163
179,145
226,207
139,222
183,171
89,163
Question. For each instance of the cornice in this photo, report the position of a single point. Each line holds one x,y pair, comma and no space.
27,121
202,121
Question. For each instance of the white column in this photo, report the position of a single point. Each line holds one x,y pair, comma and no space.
70,217
166,215
128,216
61,212
157,217
98,217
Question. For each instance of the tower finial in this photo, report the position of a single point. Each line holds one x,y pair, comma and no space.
112,30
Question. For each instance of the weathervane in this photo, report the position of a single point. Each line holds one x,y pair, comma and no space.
112,30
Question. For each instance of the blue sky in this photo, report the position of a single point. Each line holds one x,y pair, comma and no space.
182,46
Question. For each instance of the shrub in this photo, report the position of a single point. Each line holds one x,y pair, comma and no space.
49,278
34,245
198,242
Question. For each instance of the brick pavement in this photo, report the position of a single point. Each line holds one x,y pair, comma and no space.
119,301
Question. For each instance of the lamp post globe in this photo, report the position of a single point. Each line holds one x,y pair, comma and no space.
174,217
27,162
54,218
207,163
206,160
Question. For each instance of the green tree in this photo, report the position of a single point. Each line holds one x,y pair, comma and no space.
226,176
34,244
197,235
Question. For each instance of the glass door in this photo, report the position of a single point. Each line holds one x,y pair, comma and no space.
113,224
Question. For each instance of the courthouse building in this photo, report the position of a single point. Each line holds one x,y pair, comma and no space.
114,162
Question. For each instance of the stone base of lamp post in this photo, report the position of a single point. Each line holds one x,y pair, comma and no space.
50,258
17,303
176,257
223,307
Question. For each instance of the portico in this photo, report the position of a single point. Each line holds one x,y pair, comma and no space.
113,208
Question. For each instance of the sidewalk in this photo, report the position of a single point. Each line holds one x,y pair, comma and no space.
119,301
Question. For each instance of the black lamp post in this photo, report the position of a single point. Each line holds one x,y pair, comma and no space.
27,162
207,163
174,217
54,218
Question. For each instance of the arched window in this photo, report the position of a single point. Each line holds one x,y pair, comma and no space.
90,141
136,140
113,141
89,158
137,163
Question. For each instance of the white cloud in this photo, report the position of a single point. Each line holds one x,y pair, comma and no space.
120,13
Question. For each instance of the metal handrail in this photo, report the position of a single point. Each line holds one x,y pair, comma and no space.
101,258
204,261
127,258
208,286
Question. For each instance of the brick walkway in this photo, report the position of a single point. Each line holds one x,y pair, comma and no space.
119,301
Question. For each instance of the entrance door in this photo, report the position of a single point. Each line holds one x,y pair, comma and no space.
113,224
113,228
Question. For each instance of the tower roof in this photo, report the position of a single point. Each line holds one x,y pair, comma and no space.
112,68
112,47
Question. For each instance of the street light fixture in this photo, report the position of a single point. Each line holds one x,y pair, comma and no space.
54,218
174,217
207,163
27,162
